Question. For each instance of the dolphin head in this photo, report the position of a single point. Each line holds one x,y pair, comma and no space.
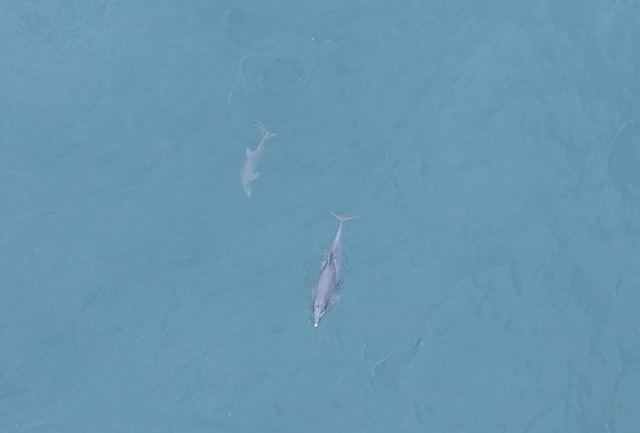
247,189
318,311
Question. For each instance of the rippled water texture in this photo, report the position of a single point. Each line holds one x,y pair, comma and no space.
491,151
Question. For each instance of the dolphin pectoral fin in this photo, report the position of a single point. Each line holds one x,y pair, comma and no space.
334,299
255,175
248,152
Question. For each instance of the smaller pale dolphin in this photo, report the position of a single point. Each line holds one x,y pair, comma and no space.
248,172
325,292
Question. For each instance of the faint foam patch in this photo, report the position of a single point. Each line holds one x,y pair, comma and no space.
278,91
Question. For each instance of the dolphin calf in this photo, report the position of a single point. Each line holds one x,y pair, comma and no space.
248,172
325,292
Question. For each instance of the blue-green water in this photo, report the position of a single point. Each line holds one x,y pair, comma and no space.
490,149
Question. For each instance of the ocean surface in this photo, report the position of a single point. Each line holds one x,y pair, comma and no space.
490,149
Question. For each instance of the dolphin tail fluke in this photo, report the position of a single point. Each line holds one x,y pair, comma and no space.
343,218
267,134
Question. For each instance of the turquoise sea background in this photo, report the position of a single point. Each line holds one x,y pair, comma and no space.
490,149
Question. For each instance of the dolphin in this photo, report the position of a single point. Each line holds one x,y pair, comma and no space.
248,172
325,292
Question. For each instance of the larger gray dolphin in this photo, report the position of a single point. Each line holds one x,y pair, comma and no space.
325,292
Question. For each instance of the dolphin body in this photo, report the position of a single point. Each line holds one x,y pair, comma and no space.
325,292
248,172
